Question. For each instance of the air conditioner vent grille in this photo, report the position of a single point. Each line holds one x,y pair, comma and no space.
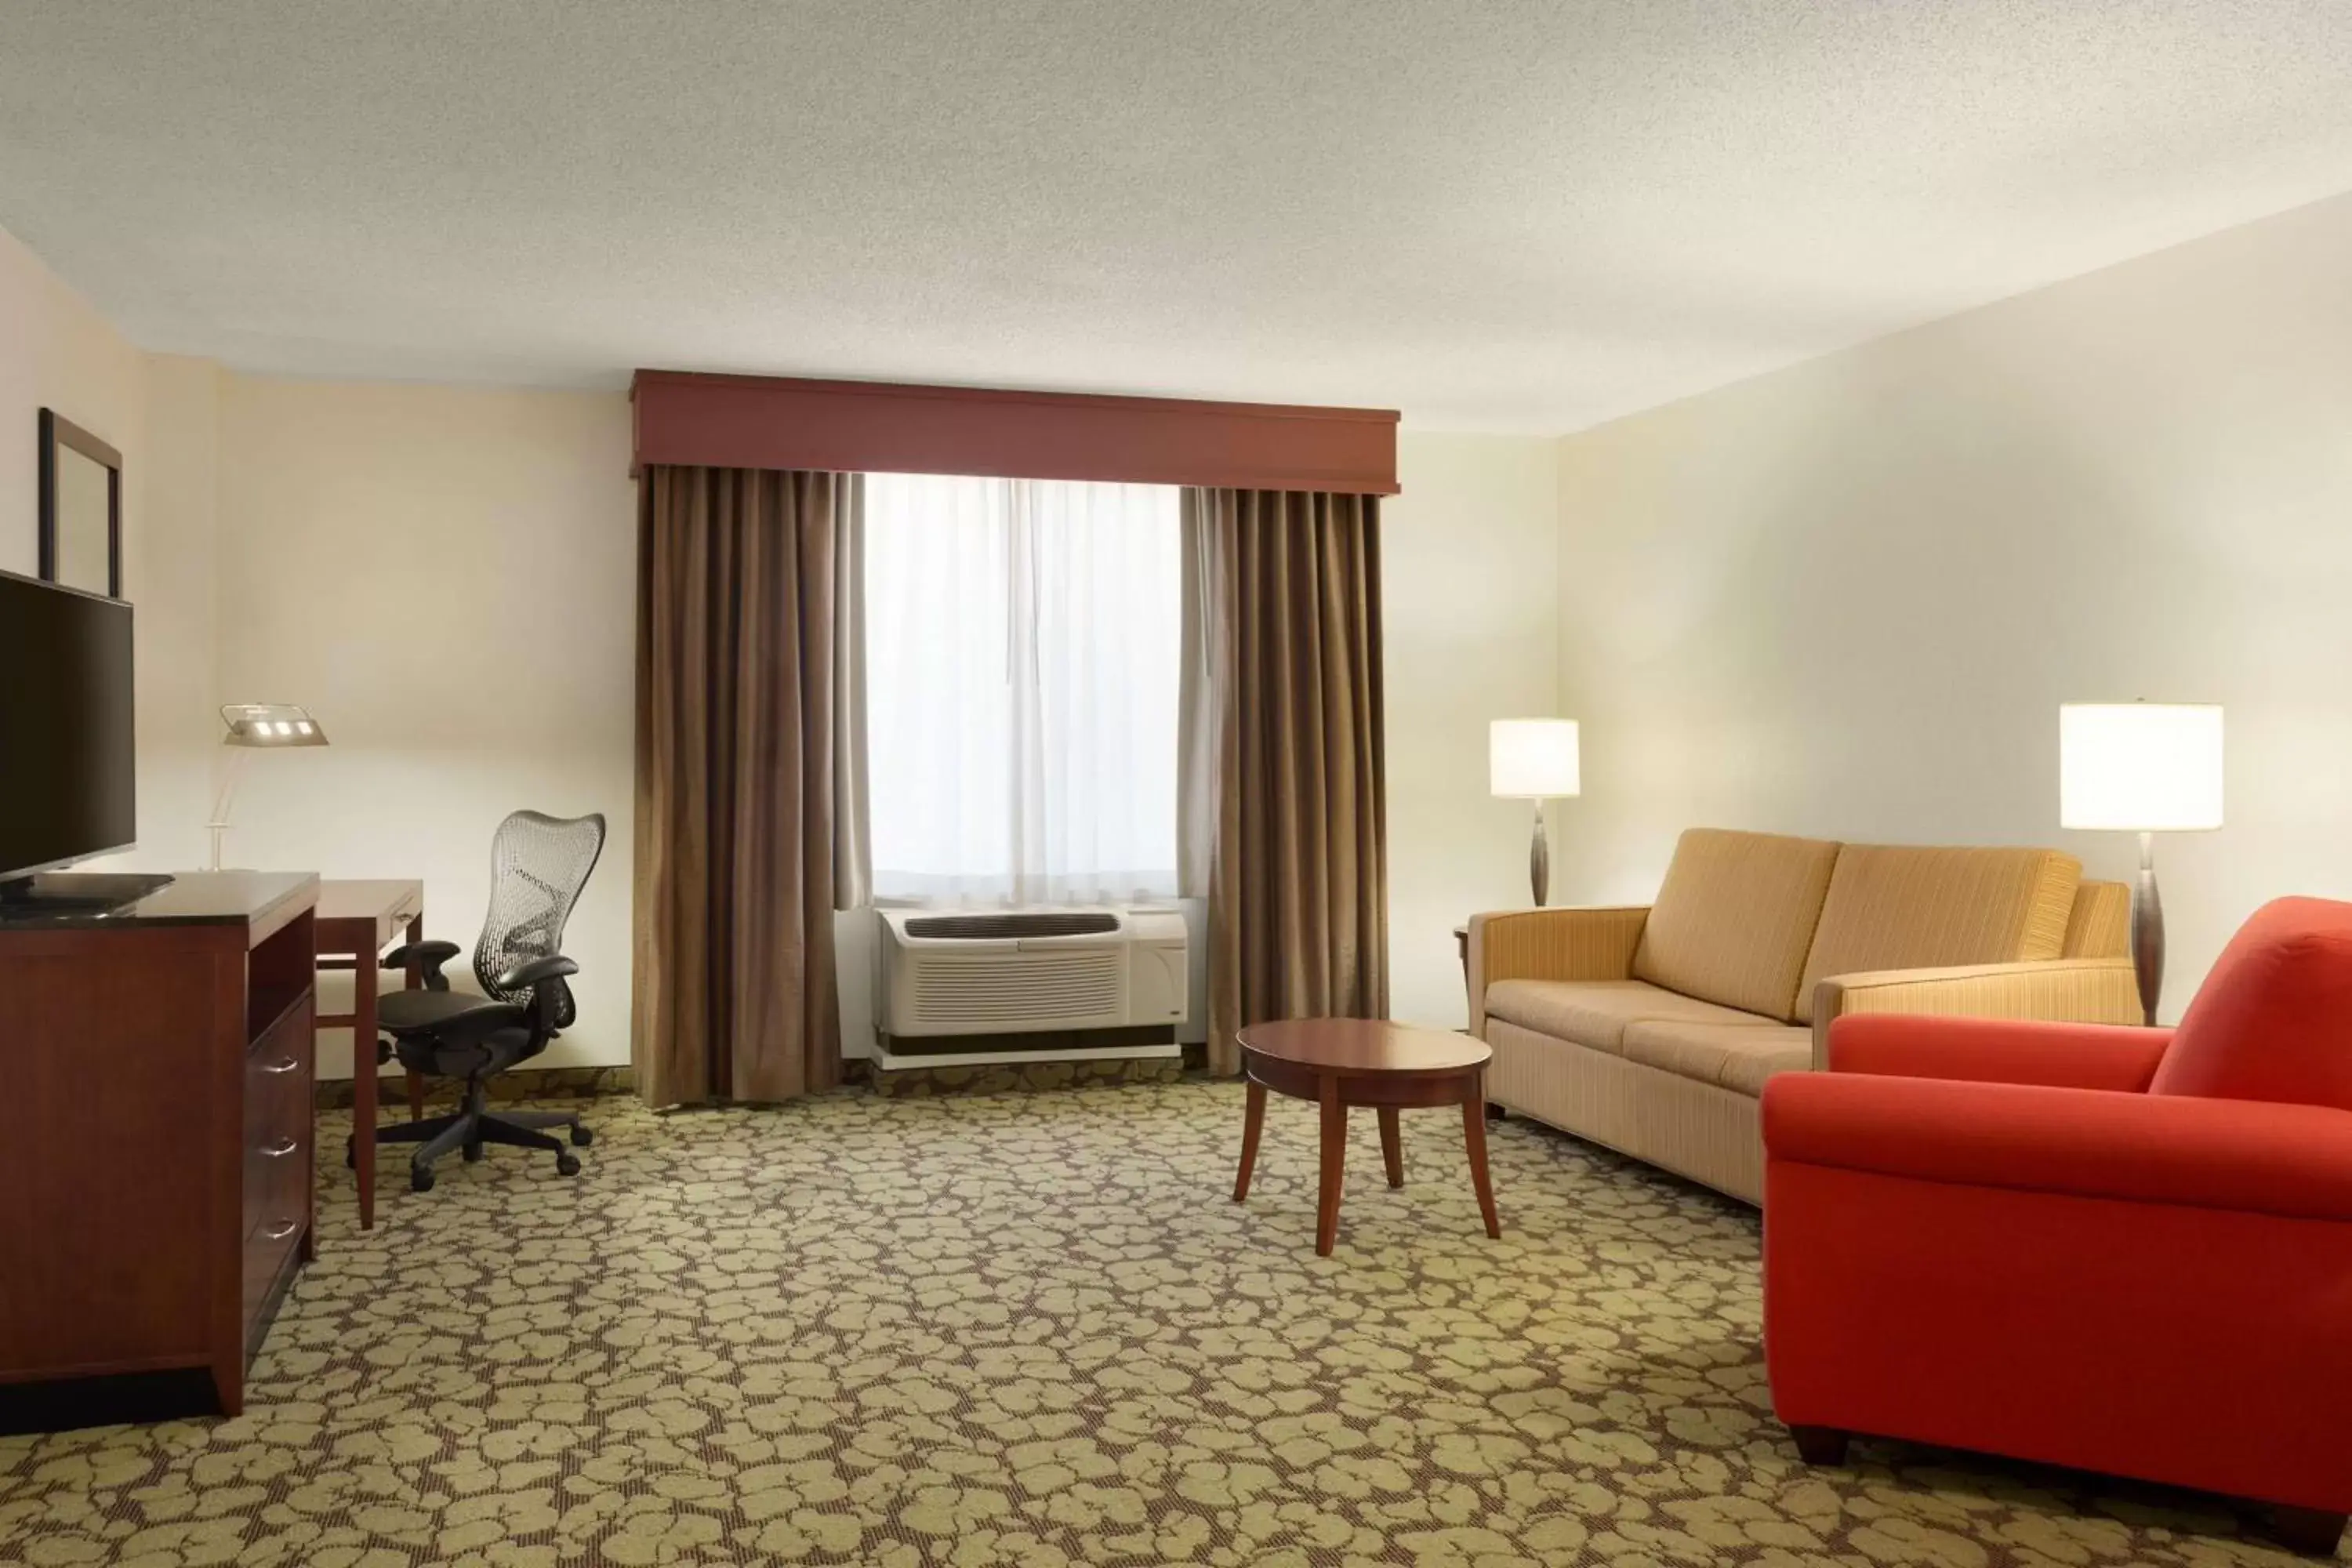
982,927
954,991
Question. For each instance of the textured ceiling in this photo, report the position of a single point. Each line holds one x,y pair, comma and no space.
1524,214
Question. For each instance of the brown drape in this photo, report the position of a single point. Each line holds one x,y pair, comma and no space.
1285,621
740,583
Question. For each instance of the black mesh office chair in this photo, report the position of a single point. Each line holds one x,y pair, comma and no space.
538,864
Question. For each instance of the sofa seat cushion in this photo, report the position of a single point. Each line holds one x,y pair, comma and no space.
1595,1013
1738,1057
1735,918
1901,906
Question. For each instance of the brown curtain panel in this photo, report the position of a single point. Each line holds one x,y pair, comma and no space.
1285,800
746,680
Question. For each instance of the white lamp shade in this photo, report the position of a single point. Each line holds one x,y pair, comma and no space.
2144,767
1532,759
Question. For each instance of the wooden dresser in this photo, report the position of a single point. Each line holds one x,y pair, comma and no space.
156,1162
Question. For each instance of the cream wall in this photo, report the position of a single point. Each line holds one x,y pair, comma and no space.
1847,599
445,577
56,352
1470,619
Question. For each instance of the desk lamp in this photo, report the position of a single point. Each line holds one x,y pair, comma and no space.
253,726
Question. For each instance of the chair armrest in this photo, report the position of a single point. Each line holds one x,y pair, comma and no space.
1550,944
428,957
2256,1156
533,973
2061,990
1998,1050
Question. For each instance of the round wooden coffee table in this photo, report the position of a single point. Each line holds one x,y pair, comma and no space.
1340,1062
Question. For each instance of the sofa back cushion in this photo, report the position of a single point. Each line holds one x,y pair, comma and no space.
1901,906
2273,1019
1733,922
2100,926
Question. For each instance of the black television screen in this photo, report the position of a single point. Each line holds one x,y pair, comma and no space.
68,759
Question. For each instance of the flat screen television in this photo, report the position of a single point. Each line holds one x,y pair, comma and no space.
68,758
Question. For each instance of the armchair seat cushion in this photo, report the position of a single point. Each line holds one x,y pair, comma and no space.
1738,1057
1596,1012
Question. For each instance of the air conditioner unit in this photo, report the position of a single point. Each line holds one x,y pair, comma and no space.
1033,973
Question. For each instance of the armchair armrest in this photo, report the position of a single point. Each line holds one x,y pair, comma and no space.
428,956
2254,1156
2061,990
1998,1050
1595,943
533,973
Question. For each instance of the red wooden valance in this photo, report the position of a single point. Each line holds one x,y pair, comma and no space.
863,426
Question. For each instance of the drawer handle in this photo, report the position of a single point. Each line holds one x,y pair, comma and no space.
281,1230
280,1069
280,1149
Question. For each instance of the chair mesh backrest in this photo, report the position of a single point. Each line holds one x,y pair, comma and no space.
538,866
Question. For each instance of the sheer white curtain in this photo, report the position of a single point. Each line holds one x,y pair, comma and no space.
1022,664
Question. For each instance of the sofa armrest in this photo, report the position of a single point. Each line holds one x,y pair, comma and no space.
2254,1156
1550,944
2060,990
1998,1050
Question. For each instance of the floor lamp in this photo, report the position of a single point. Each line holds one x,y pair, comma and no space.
2144,768
1534,758
253,726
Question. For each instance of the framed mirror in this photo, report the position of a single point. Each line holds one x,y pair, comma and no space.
80,508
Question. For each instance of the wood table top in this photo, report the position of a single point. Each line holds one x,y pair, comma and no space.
1364,1046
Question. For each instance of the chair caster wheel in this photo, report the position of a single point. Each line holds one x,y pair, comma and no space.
474,1151
582,1137
420,1181
567,1164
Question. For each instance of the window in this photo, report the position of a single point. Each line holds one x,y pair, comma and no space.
1022,678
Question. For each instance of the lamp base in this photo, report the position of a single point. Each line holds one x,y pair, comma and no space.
1539,861
2148,934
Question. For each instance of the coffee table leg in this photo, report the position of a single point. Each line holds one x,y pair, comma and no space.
1253,1119
1474,1135
1334,1163
1391,1146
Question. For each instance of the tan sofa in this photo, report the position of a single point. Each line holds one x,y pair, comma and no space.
1652,1029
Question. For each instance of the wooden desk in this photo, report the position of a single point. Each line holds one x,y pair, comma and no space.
357,921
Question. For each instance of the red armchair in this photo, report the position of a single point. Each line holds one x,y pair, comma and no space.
2122,1250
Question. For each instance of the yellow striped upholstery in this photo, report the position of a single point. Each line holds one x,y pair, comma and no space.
1695,1128
1733,1055
1597,1012
1735,917
1550,944
1573,1088
1559,945
2064,990
2100,926
1909,907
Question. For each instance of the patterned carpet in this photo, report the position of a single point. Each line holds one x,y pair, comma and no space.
1030,1330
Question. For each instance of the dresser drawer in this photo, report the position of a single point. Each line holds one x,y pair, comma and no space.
280,1148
